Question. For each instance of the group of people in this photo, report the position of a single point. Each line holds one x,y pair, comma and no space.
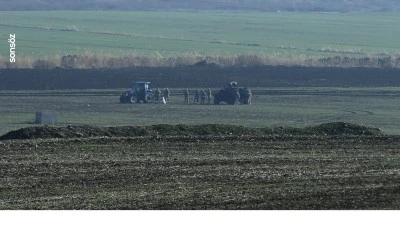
200,96
246,99
158,95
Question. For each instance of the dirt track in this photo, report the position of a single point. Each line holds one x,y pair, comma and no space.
197,76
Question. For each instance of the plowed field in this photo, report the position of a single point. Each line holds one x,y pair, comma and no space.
202,172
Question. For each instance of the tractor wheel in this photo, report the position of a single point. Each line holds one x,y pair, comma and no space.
149,98
123,99
133,99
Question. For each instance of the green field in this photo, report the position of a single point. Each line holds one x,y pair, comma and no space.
297,107
47,34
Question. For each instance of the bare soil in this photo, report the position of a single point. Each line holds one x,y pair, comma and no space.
202,172
197,76
86,131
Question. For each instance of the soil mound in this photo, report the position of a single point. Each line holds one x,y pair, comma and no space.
85,131
336,128
343,128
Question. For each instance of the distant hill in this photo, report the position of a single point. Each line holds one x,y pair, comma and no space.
212,5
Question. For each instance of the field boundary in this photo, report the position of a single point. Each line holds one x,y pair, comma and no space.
96,61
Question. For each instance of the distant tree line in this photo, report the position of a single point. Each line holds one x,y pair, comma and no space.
211,5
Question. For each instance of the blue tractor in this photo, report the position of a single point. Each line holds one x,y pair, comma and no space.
140,92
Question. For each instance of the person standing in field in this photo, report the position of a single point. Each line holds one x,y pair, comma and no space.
209,93
197,97
166,94
249,95
157,95
237,97
186,94
203,97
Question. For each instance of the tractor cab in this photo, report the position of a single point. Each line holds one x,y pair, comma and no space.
140,87
140,92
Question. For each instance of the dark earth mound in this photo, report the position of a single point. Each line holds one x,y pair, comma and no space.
343,128
85,131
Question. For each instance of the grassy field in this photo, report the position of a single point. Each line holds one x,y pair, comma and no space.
49,34
297,107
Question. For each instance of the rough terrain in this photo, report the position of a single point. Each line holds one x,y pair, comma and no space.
277,171
86,131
